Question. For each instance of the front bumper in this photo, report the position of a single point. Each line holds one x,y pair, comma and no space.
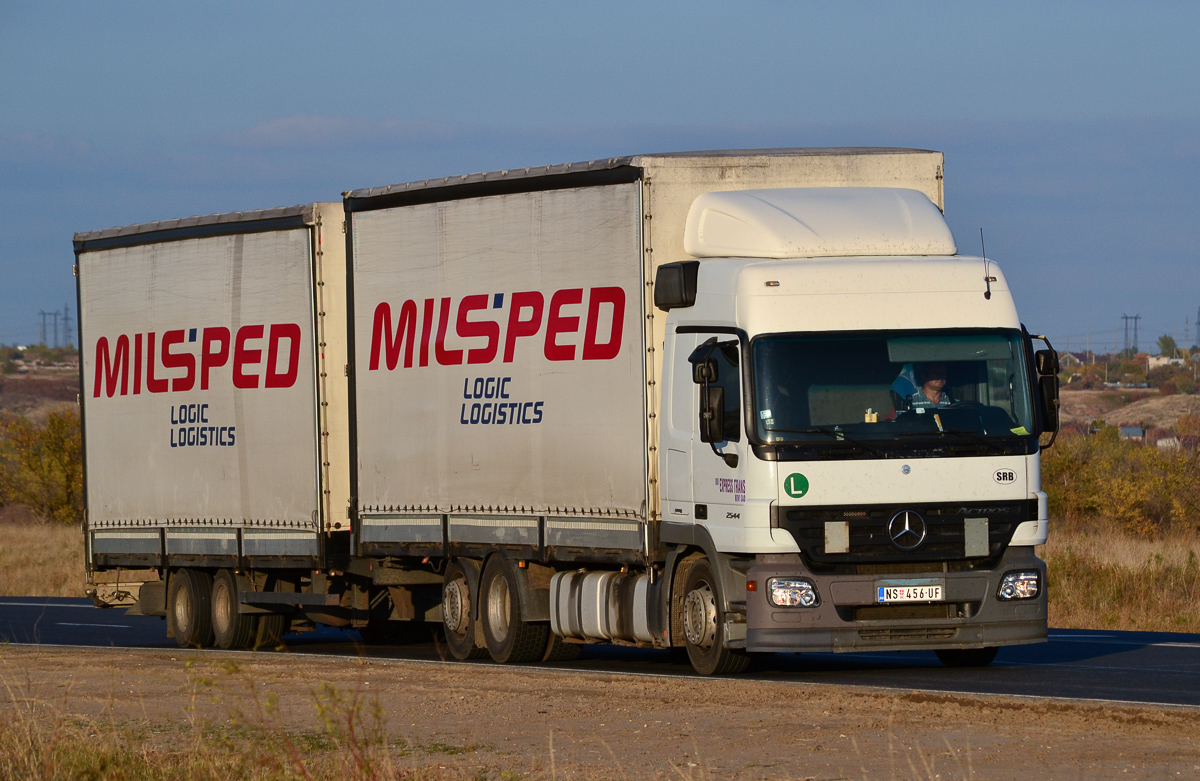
849,620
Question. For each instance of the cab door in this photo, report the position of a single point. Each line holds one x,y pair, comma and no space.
719,489
677,427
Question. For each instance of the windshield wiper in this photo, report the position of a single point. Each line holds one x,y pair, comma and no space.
966,435
837,434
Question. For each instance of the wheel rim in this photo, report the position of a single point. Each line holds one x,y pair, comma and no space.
499,607
183,609
700,616
456,606
221,616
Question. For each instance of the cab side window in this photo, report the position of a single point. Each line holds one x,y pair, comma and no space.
729,377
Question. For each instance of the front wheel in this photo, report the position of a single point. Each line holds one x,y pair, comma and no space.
967,657
704,625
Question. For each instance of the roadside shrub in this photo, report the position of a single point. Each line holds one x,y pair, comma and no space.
1144,490
41,467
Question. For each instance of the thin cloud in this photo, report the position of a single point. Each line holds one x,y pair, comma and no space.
24,146
307,130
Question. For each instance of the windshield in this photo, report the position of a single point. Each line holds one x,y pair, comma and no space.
891,386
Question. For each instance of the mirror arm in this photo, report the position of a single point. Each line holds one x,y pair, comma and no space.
730,459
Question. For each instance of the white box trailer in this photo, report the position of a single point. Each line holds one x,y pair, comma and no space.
213,396
738,401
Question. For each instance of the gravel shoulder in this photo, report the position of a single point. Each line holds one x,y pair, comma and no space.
502,722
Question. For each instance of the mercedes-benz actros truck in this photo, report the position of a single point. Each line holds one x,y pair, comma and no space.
736,402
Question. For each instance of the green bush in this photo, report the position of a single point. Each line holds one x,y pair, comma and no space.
41,467
1143,489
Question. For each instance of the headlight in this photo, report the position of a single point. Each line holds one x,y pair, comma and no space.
1020,585
792,592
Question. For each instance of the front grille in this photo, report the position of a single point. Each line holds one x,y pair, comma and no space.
869,541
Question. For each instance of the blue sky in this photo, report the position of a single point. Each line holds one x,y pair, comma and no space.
1071,131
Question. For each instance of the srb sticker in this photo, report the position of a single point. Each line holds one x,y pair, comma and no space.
1005,476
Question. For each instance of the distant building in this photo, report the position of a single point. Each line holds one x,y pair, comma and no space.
1162,360
1135,433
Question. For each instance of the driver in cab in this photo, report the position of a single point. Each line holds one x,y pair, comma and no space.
931,387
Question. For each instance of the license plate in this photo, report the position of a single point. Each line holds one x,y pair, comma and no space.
910,593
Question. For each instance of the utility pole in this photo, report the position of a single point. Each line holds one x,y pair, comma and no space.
55,315
67,336
43,330
1135,319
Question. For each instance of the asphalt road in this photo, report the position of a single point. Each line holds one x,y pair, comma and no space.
1142,667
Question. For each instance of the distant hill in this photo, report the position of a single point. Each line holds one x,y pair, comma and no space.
1126,406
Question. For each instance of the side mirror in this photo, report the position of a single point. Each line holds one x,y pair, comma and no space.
1049,388
1046,362
712,414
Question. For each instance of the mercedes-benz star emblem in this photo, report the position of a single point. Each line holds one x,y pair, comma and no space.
907,530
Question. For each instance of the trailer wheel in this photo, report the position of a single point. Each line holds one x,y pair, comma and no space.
510,639
458,624
967,657
230,628
189,612
704,625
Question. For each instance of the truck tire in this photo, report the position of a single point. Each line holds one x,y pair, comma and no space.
559,650
231,629
967,657
189,610
510,639
271,629
704,625
458,623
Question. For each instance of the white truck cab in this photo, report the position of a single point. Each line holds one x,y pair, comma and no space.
799,351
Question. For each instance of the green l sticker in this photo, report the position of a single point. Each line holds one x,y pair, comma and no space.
796,485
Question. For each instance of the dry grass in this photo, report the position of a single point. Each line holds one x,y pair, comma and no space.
346,738
1104,578
39,558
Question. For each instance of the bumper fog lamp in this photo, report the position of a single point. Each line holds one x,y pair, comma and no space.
792,592
1019,585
